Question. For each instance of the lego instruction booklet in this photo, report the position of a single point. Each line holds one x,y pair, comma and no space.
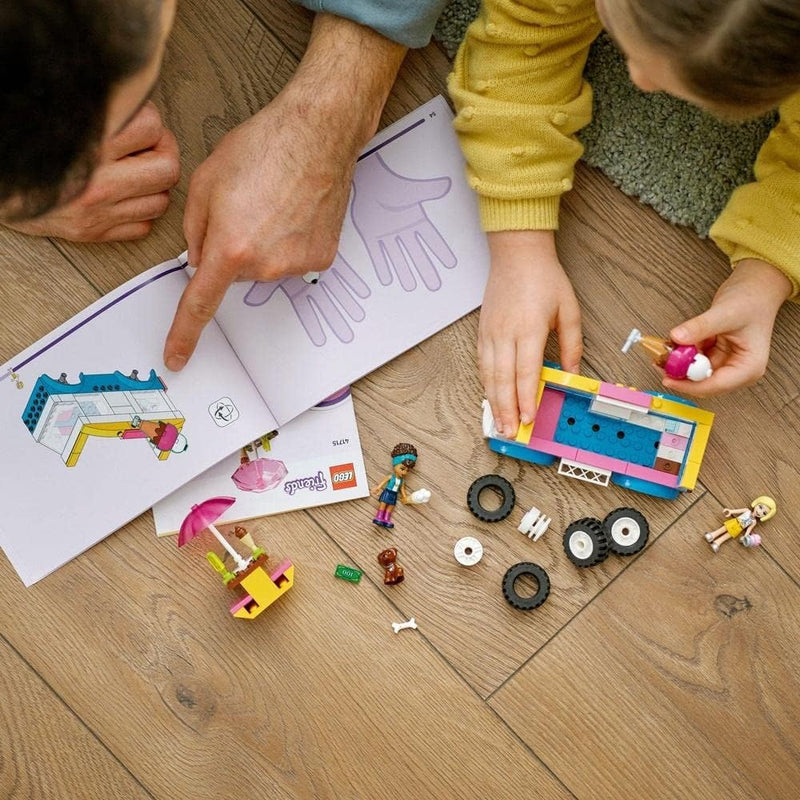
97,430
313,460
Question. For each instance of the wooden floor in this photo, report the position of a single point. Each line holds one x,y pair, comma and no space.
670,675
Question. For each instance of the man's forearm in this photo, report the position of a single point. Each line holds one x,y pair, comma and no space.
344,78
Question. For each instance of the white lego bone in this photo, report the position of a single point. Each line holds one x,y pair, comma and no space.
420,496
399,626
534,524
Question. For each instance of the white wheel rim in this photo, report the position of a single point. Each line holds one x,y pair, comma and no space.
468,551
581,544
625,531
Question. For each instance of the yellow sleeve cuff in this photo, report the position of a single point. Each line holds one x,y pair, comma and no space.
758,224
530,214
739,253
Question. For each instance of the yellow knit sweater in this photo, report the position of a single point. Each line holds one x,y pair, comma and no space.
518,87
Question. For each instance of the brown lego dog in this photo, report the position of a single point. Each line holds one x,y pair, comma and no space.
393,572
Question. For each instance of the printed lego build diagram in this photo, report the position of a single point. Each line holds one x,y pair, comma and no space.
257,473
62,416
400,239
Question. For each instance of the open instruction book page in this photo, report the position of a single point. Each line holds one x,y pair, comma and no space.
313,460
96,430
412,259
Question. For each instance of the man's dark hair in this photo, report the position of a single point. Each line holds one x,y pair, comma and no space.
59,60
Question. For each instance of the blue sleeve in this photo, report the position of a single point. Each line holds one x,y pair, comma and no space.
408,22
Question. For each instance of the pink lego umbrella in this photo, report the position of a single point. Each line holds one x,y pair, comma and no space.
259,475
204,515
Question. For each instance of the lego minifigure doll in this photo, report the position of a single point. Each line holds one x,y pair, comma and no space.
741,523
404,458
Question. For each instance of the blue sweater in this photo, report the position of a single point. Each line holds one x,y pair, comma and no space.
409,22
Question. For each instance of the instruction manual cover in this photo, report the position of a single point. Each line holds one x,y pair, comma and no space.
314,460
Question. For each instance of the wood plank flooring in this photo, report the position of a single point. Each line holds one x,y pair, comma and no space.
670,675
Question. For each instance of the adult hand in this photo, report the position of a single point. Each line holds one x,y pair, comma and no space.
736,331
527,295
269,202
128,190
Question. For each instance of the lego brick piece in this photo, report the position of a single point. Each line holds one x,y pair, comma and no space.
697,448
547,414
689,476
682,411
553,448
348,573
670,466
279,573
673,440
601,462
670,454
679,428
583,472
569,380
625,395
647,474
524,432
611,408
649,421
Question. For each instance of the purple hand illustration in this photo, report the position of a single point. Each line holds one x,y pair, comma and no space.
313,297
388,214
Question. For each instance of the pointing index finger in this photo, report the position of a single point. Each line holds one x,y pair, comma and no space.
196,308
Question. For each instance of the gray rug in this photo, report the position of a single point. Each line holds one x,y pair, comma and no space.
669,154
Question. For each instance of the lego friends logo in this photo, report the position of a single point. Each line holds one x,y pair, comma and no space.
316,483
343,476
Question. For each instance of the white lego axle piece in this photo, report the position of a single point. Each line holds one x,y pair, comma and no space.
399,626
534,524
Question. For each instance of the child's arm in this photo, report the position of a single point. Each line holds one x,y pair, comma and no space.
527,295
518,87
760,231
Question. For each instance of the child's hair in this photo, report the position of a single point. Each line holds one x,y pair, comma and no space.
741,56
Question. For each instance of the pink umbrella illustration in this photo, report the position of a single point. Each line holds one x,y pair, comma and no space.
204,515
260,474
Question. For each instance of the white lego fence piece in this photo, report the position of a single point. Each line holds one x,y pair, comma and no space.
583,472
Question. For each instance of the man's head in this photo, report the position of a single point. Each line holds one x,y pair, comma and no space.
76,72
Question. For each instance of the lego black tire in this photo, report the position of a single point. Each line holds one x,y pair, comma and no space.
500,486
527,569
626,530
585,543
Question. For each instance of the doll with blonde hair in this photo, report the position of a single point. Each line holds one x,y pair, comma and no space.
741,522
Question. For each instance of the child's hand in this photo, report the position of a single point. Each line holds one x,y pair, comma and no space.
527,295
736,331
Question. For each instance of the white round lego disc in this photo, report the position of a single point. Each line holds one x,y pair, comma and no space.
468,551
